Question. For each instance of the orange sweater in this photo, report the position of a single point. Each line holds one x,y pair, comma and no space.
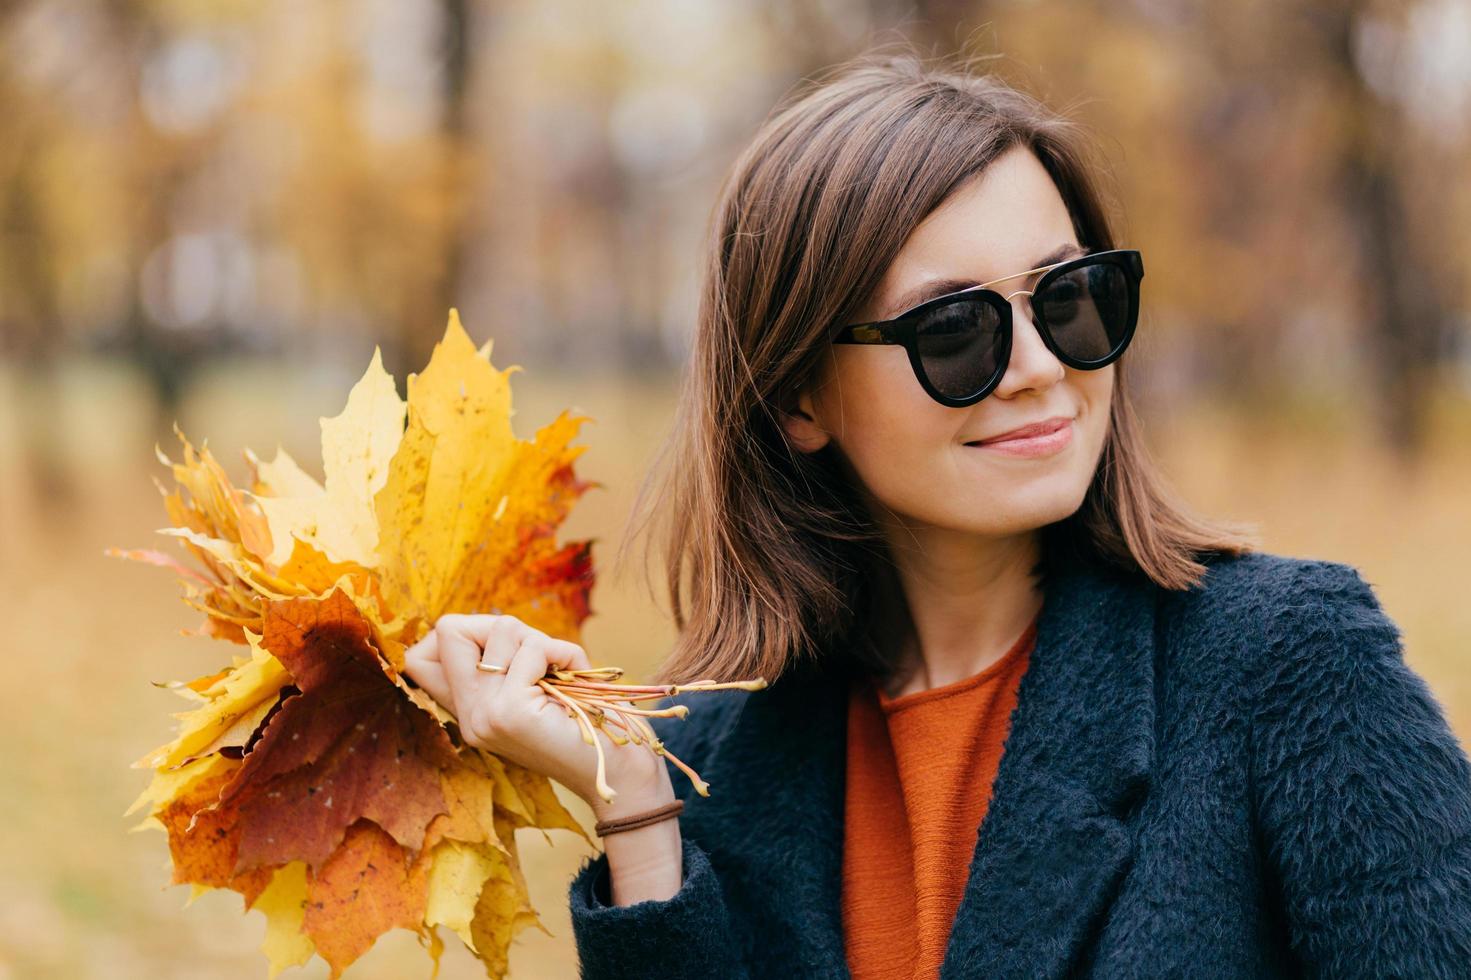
919,774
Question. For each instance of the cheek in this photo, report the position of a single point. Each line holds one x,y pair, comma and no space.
894,435
904,448
1095,395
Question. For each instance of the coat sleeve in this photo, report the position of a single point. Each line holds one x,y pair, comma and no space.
1361,790
687,935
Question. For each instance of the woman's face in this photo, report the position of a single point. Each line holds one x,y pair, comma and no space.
911,453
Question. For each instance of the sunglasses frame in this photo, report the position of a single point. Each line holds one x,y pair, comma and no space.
900,330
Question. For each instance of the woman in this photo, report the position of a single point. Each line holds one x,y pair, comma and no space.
1027,717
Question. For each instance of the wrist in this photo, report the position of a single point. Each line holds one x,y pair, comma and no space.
644,862
634,798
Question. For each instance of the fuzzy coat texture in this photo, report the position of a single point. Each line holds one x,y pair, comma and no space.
1240,780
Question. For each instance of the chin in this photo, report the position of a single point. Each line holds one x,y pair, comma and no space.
1023,509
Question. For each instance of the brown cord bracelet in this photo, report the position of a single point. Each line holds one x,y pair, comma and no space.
606,827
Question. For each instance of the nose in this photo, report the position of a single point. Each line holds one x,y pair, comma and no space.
1032,365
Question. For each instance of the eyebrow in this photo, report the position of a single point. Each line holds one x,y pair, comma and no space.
939,287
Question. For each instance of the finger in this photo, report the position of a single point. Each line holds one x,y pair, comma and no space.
537,653
576,657
582,662
464,641
421,662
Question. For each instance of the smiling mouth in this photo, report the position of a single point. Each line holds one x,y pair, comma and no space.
1036,445
1039,431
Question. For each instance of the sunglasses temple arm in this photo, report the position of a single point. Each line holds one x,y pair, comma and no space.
874,332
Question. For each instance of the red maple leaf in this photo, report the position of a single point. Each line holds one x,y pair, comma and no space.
348,744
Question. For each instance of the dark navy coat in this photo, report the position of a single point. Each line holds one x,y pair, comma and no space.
1240,780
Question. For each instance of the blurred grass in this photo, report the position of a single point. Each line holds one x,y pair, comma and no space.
82,897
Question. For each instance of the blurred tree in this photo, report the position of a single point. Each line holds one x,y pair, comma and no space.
426,301
1407,309
28,321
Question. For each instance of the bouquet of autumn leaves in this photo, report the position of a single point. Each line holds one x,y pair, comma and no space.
310,776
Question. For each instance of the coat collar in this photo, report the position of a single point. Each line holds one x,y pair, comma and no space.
1055,841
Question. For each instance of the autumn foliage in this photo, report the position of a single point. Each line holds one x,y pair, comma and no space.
310,776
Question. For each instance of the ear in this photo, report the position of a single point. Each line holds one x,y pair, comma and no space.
802,427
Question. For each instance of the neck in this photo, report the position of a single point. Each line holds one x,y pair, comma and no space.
968,600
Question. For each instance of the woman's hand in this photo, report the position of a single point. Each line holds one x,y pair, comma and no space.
508,714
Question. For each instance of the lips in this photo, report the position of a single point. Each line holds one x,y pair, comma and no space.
1027,431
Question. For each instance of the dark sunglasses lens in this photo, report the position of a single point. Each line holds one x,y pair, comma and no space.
960,346
1089,310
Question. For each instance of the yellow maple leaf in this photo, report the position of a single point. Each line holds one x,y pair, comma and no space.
284,905
444,484
357,445
246,692
456,880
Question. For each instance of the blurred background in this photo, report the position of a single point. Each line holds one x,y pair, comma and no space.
211,212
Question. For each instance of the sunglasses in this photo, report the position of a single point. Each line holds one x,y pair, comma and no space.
959,344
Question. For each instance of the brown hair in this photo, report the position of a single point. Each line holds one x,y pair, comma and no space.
781,558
